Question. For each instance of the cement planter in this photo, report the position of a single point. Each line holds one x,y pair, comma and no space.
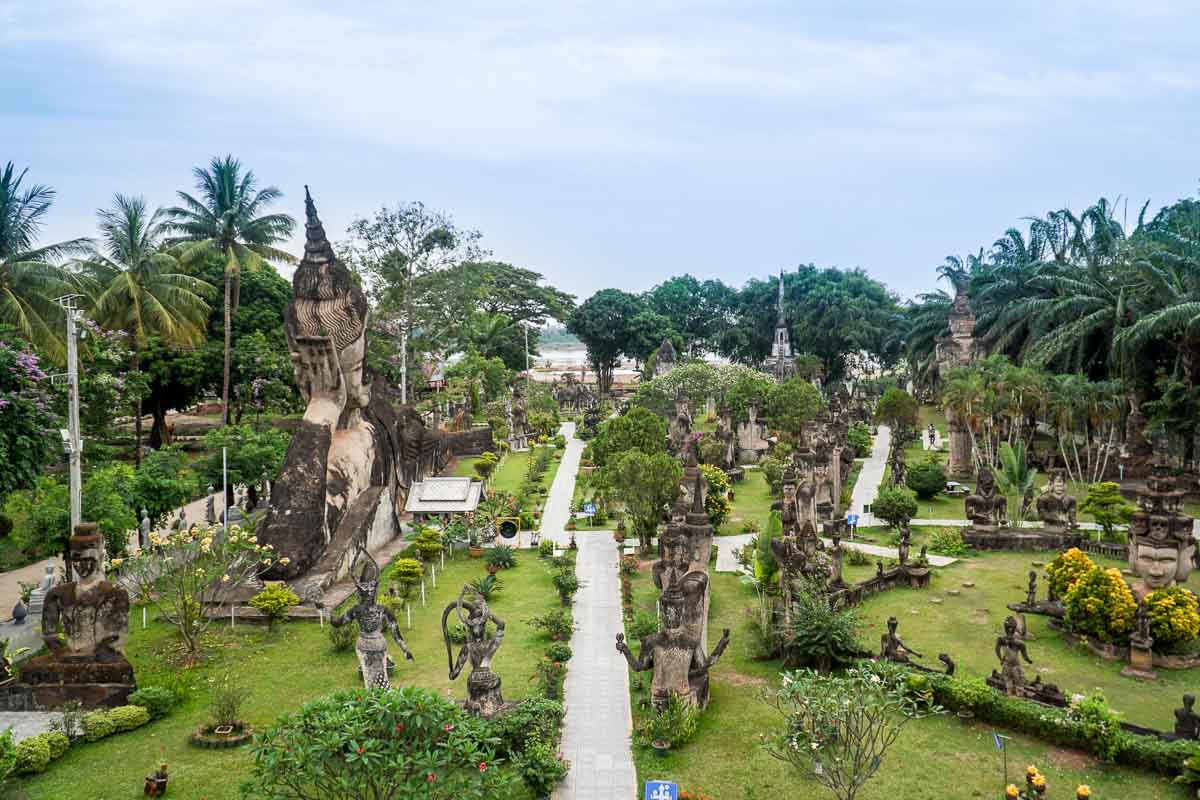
216,737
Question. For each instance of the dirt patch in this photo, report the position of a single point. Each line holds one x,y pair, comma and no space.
980,616
1070,759
740,679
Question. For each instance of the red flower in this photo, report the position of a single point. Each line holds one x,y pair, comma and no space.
430,778
483,766
361,751
399,727
449,727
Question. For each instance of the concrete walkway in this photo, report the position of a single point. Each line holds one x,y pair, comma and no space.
870,476
598,723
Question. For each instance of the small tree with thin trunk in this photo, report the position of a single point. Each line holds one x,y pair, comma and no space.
838,727
648,485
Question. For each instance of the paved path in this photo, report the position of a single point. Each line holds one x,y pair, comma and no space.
727,562
937,440
870,476
25,724
598,723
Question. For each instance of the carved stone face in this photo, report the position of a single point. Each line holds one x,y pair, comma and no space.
672,615
84,563
987,482
1158,567
1058,485
1010,626
352,359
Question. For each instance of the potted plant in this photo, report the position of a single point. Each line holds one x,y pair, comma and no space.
500,557
619,533
156,784
474,548
226,728
567,584
6,661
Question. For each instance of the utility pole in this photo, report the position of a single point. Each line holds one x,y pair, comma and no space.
72,441
525,325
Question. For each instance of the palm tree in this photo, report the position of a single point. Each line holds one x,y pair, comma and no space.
227,223
1015,478
136,286
928,321
29,280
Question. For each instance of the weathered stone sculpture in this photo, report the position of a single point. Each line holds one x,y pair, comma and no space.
681,424
351,461
518,427
1187,721
483,686
372,619
1055,507
1141,646
88,663
986,508
1160,537
677,658
664,359
751,437
892,647
1010,649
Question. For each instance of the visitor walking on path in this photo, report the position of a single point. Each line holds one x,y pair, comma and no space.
598,723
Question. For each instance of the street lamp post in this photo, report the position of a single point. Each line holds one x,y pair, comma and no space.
72,441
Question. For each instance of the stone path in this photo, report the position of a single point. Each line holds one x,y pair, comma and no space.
937,439
870,476
25,724
598,723
727,562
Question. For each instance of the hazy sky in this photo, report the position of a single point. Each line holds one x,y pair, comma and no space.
618,143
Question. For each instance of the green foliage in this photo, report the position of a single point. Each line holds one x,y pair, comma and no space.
59,744
1066,569
772,469
537,719
1015,478
25,417
540,766
648,484
274,601
376,744
765,565
97,725
927,479
486,464
251,453
229,696
342,639
637,429
487,375
164,482
792,404
157,700
1106,505
559,651
566,582
897,409
948,542
556,623
33,755
819,634
612,323
41,516
642,625
895,505
675,723
716,501
126,718
1174,617
859,436
545,548
1100,724
406,573
486,587
8,754
501,556
1100,604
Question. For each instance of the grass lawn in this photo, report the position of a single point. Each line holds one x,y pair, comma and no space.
751,503
933,758
510,474
284,670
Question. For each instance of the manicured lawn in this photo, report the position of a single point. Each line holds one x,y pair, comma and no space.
284,670
933,758
509,476
751,503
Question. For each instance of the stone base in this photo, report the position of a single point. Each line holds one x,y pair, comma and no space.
1139,674
52,684
1141,662
483,689
989,538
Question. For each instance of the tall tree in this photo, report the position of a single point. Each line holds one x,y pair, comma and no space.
399,252
602,323
227,221
29,278
136,286
696,310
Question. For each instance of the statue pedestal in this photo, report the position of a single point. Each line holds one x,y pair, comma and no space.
1141,661
95,684
483,689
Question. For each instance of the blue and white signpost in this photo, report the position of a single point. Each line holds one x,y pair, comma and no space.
661,790
852,521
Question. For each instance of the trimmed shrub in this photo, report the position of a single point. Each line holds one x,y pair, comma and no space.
1066,569
545,548
33,755
274,601
948,543
8,754
157,700
557,624
343,638
536,719
895,505
1174,616
926,479
1100,604
540,767
97,725
642,625
59,744
126,718
559,651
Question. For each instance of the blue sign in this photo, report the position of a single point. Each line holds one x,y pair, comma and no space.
852,519
661,790
999,741
589,508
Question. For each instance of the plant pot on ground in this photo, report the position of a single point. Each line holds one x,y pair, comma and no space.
661,748
217,737
475,551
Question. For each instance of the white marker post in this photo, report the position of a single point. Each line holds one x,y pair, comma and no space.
422,594
409,610
433,573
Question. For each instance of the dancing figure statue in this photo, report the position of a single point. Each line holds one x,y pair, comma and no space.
372,619
483,685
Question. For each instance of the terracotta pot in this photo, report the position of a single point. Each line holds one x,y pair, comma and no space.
155,787
661,748
619,536
492,569
475,552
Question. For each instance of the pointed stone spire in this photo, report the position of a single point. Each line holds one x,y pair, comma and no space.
782,322
698,494
316,244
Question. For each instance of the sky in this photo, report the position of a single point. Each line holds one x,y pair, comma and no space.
619,143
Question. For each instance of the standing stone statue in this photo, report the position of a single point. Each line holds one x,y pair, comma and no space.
372,619
210,510
1010,649
87,664
905,544
677,658
144,530
1031,593
483,685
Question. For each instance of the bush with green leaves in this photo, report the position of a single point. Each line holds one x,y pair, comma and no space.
126,718
404,575
1106,505
274,601
32,755
927,479
342,639
545,548
642,625
157,700
97,725
501,556
819,635
163,483
541,767
1174,617
716,500
486,587
948,542
1100,604
559,651
408,743
567,584
536,719
229,696
244,453
895,505
675,723
8,754
556,623
859,436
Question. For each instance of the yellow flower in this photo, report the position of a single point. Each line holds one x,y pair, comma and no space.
116,562
285,561
1011,791
224,579
1031,770
1083,790
1039,781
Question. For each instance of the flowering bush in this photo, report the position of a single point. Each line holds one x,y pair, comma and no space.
28,435
406,743
716,501
1174,616
1100,604
185,571
1067,568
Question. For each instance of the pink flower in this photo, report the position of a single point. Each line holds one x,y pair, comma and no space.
483,766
